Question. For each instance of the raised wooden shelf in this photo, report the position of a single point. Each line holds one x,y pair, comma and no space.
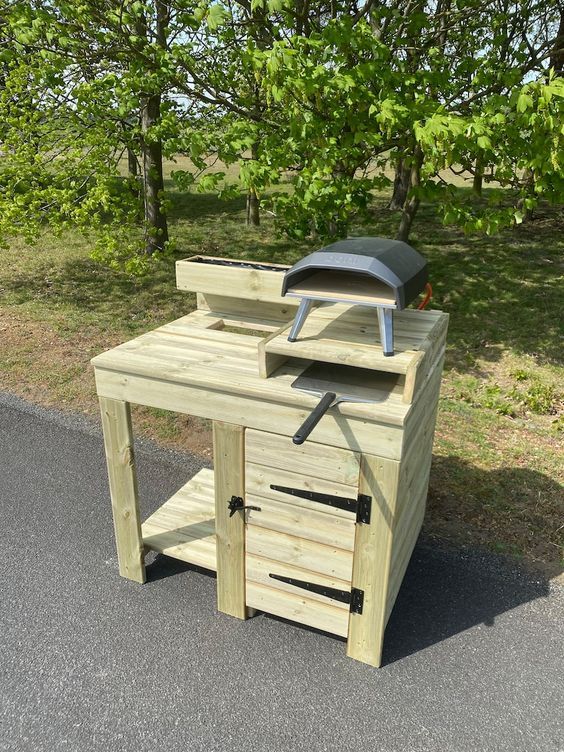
184,527
348,335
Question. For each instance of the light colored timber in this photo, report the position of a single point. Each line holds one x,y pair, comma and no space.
298,608
334,429
400,563
196,365
229,469
230,281
259,571
118,443
316,460
354,288
299,552
258,315
260,478
316,524
418,371
269,362
379,478
341,334
225,361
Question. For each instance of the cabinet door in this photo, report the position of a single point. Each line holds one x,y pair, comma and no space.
299,546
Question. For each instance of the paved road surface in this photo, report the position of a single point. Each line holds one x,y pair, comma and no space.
89,661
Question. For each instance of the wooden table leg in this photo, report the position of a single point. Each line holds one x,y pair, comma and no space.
379,479
229,480
118,442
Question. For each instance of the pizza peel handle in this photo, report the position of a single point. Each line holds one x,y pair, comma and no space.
314,417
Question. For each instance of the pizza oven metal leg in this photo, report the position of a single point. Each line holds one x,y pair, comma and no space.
303,310
386,324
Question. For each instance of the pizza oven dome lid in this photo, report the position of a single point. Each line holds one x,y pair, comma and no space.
392,262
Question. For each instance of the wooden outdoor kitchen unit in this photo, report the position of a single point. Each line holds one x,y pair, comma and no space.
319,533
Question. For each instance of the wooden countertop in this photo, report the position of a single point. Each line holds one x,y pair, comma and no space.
185,352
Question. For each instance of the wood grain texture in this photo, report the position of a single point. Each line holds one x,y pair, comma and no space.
342,334
379,478
336,429
184,526
230,281
309,555
298,608
229,470
312,459
118,443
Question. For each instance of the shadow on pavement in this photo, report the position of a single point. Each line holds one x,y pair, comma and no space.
445,593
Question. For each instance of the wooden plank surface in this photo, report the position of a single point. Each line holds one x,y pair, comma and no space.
430,348
118,443
310,458
231,281
226,362
298,608
259,315
342,335
336,428
299,552
229,471
183,527
379,478
260,478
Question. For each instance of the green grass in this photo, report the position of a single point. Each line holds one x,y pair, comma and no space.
497,470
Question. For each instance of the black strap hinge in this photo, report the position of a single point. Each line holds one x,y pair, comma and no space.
361,505
354,597
237,503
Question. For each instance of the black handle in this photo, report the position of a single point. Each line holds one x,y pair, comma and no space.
314,417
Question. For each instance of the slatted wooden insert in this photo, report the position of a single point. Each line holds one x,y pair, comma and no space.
184,527
299,538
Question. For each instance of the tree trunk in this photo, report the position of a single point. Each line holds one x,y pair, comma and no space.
156,229
478,177
401,186
412,205
253,208
557,53
132,164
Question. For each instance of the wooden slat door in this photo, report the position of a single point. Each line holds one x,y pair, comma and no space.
298,538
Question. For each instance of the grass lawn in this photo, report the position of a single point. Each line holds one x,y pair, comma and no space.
497,473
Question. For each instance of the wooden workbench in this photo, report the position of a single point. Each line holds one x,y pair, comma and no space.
206,364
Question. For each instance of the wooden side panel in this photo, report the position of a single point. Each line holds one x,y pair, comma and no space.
229,469
269,362
379,478
421,367
230,281
334,428
259,315
315,460
118,443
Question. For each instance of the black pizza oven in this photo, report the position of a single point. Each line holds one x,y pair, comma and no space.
371,271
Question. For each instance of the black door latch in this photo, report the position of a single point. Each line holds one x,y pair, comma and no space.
238,503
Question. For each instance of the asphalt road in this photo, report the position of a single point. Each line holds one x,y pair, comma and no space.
473,657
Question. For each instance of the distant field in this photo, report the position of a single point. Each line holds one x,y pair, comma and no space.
497,473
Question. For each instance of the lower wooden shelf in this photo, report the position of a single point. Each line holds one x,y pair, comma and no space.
184,527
